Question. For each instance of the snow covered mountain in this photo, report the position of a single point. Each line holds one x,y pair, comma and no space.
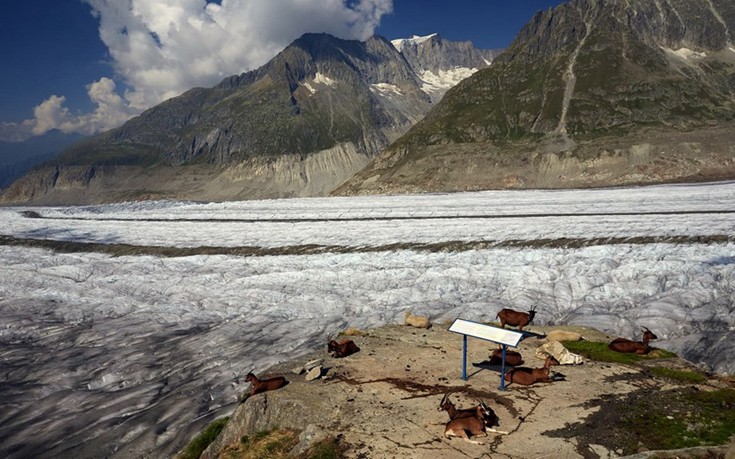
441,64
298,126
590,93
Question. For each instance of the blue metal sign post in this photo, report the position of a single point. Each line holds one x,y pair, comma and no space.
488,333
464,357
502,369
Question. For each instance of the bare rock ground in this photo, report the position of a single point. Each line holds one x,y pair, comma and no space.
382,402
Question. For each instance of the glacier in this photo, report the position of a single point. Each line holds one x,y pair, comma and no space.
130,356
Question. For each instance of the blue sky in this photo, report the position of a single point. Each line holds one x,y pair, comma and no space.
88,65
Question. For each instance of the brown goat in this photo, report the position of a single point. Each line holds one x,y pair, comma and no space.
515,318
343,348
512,358
262,385
488,415
630,346
527,376
473,424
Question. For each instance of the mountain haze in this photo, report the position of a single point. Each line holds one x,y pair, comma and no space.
17,158
300,125
591,93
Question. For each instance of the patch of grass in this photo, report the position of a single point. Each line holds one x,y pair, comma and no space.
195,447
325,449
657,420
700,419
600,352
685,376
277,444
271,444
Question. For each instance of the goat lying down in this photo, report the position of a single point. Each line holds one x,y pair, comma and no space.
416,321
343,348
262,385
630,346
526,376
476,421
512,358
563,335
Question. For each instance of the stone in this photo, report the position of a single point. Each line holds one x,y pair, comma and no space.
311,435
314,373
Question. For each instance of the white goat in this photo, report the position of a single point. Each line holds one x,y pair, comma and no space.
563,335
416,321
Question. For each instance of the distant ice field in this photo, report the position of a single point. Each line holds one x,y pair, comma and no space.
673,210
128,356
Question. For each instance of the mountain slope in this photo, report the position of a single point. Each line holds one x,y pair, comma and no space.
298,126
16,158
591,93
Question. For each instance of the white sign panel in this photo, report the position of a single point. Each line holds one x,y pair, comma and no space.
486,332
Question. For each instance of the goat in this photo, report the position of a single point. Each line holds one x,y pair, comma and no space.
512,358
473,424
515,318
527,376
416,321
343,348
262,385
563,335
488,415
638,347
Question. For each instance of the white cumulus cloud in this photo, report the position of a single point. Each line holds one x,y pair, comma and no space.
161,48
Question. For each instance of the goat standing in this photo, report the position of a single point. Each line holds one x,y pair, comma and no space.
516,318
630,346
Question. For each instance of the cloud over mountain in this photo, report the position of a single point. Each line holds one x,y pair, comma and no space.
161,48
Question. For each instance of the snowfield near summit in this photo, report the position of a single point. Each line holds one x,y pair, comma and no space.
136,353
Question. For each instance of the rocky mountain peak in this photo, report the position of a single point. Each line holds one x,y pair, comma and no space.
297,126
586,79
591,66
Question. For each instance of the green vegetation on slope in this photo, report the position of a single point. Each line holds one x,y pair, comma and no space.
277,444
195,448
594,350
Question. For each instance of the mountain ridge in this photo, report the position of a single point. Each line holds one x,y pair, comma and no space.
321,100
581,83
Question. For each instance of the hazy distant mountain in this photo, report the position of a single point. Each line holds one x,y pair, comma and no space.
591,93
300,125
17,158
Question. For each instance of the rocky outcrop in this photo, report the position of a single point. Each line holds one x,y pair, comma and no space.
384,400
652,156
257,177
